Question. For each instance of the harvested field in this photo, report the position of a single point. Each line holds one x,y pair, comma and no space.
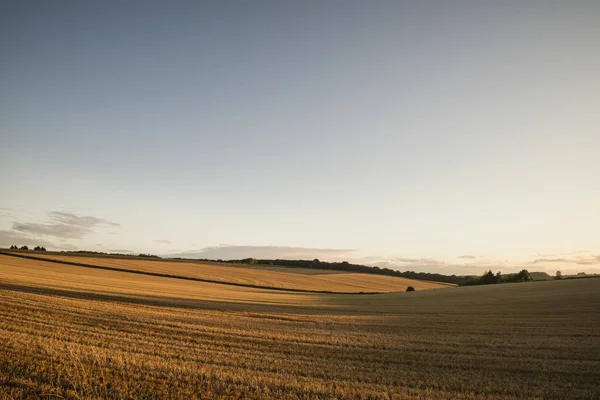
262,276
73,332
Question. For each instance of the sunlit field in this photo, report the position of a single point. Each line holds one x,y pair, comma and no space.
253,275
78,333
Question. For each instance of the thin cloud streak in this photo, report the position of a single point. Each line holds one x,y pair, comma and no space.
550,260
419,261
232,252
579,260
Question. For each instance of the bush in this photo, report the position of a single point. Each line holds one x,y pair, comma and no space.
558,275
522,276
410,289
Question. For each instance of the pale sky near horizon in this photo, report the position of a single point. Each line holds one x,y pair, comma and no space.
437,136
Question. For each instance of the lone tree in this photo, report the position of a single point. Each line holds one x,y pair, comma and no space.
410,289
558,275
24,248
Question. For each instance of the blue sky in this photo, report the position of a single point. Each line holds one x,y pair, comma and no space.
440,137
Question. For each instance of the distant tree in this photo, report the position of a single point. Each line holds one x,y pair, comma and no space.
13,247
558,275
24,248
42,249
522,276
489,278
410,289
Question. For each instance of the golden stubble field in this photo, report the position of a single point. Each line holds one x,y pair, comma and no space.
276,277
79,335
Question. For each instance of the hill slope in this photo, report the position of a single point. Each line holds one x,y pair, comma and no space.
258,276
74,332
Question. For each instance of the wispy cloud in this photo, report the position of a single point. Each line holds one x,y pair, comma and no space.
468,257
418,261
64,225
232,252
550,255
406,260
67,246
588,259
163,241
6,213
550,260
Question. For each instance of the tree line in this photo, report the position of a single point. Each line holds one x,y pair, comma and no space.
36,248
102,253
489,278
349,267
461,280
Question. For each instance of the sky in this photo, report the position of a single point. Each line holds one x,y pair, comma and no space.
436,136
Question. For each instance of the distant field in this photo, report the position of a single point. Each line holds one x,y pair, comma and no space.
70,332
276,277
100,282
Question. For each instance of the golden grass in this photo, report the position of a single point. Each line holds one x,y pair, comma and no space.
60,276
78,333
277,277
